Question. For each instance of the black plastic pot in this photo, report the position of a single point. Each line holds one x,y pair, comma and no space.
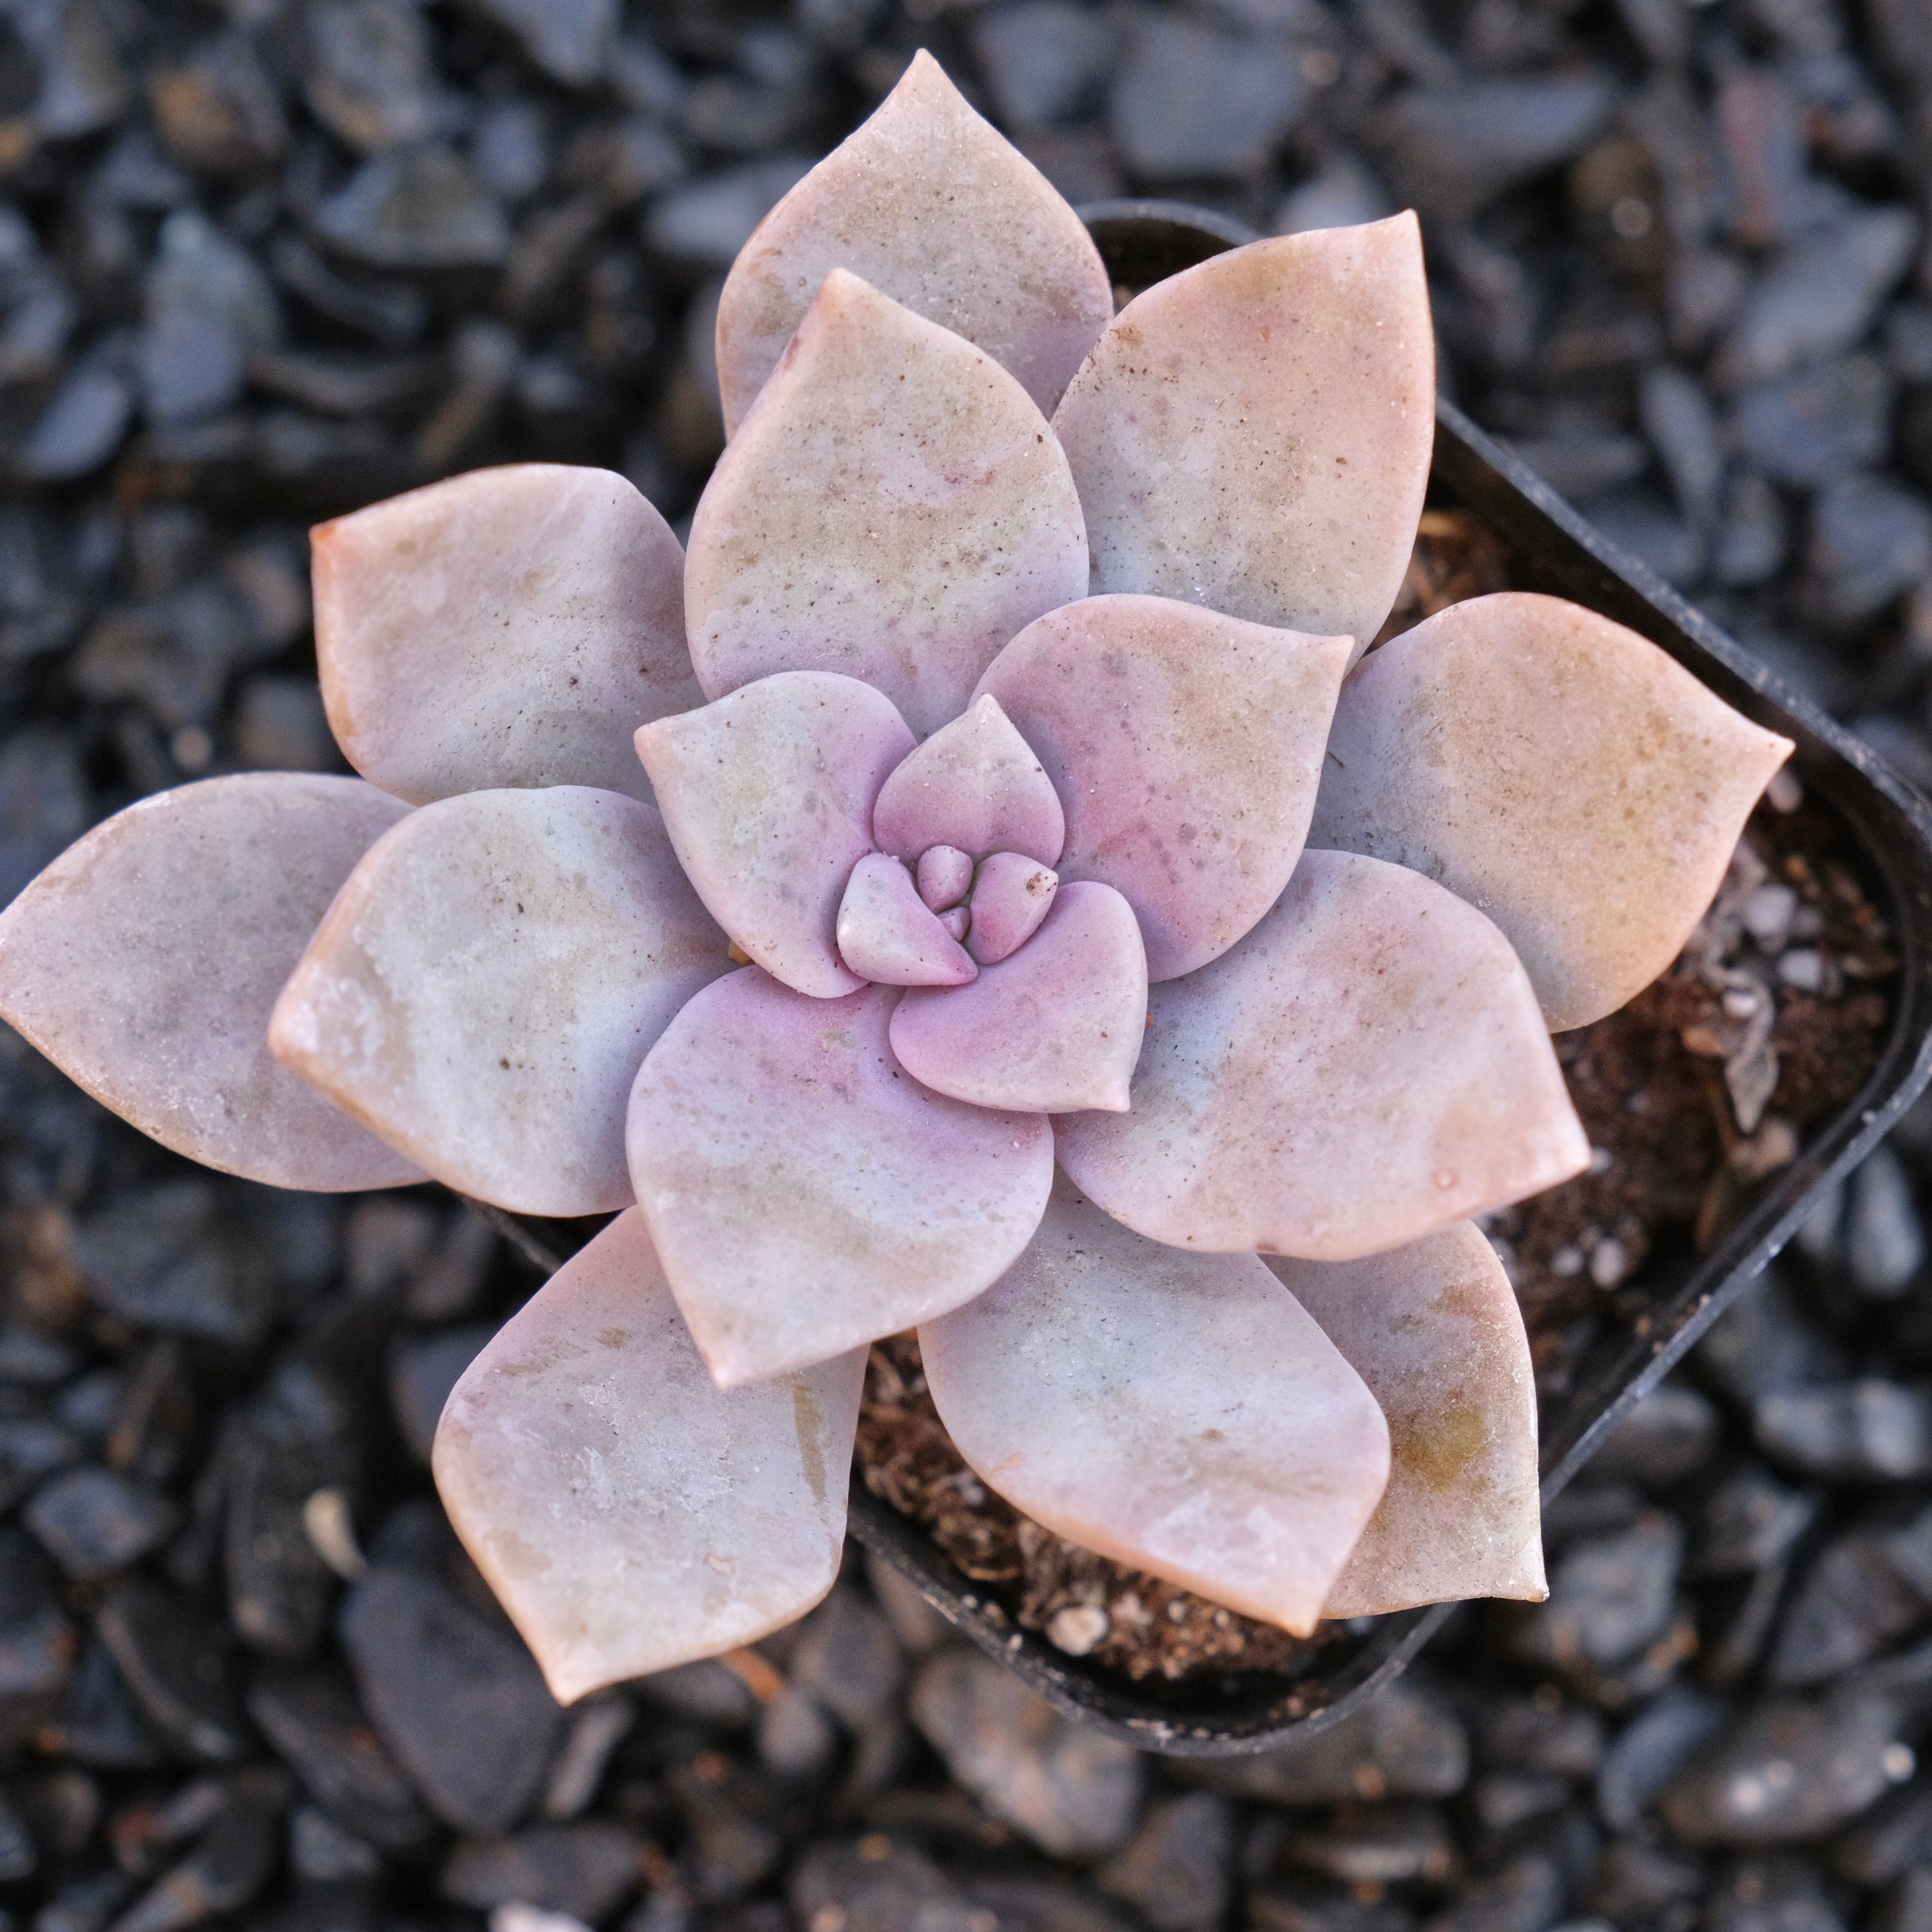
1886,821
1887,824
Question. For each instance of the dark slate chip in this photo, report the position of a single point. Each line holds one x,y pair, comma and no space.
842,1884
1609,1597
171,1258
37,1643
1784,1771
312,1718
1191,102
98,1723
1175,1871
1647,1753
177,1666
1869,1430
1045,60
228,1866
422,208
1814,427
94,1523
1667,1436
1748,1520
1453,150
30,1451
19,1856
36,1360
455,1695
1407,1742
584,1870
422,1374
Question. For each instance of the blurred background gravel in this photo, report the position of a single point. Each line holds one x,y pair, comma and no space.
265,262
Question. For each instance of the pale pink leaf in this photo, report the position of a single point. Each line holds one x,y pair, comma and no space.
487,983
630,1515
1186,748
1011,897
945,876
1367,1065
510,627
1435,1331
808,1195
1055,1028
974,785
1179,1413
768,797
144,961
1556,770
932,205
888,934
894,509
1254,434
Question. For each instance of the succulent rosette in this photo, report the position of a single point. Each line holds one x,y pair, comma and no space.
1139,986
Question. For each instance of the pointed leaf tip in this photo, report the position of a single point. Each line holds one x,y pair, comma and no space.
509,627
1304,365
629,1515
975,785
1558,772
487,982
1178,1412
1435,1330
145,960
1367,1065
805,1194
937,210
894,509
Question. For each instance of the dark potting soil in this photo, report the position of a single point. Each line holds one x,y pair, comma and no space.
1693,1095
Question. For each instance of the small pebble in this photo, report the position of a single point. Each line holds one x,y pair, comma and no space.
1802,969
1077,1628
1768,912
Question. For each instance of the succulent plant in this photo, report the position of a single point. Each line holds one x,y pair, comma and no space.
1140,986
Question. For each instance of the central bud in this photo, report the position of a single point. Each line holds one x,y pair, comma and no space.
936,924
968,828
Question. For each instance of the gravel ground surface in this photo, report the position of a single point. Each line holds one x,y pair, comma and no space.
262,261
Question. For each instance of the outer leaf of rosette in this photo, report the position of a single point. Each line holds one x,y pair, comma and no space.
1435,1330
1253,434
806,1194
1180,1413
1185,747
488,982
1367,1065
768,797
145,960
629,1514
1556,770
511,627
932,206
894,509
